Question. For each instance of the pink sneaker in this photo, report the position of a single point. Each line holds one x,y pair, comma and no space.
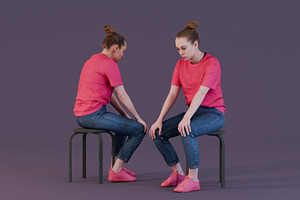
188,185
128,171
120,176
174,179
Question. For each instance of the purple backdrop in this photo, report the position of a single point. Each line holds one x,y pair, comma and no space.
44,45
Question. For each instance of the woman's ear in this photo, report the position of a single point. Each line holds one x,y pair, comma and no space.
196,43
115,47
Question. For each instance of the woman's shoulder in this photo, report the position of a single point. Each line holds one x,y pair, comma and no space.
211,60
209,57
103,59
101,56
101,63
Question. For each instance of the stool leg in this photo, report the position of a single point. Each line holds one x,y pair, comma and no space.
70,157
222,161
112,149
186,168
84,155
100,158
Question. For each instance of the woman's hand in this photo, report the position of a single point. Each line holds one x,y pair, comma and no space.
144,124
156,125
184,127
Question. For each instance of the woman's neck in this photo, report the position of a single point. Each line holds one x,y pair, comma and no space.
107,53
197,57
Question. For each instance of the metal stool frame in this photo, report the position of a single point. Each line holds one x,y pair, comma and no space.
98,132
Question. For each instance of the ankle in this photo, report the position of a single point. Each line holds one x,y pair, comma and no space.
118,165
195,178
180,172
117,169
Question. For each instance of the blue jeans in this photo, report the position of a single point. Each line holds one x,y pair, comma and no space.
128,133
204,121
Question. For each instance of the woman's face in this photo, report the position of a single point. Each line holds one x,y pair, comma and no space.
118,53
185,48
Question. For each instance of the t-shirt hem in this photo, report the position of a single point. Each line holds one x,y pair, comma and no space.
219,108
117,84
84,113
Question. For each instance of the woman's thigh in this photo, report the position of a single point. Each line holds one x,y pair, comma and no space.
118,124
206,122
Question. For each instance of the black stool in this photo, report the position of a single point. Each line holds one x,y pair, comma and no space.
98,132
218,134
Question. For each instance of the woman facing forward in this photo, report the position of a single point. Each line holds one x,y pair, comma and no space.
199,75
99,77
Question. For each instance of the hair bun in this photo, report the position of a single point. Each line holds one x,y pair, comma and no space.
109,30
191,25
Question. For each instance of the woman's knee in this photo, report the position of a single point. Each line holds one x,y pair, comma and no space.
158,138
140,133
141,128
189,138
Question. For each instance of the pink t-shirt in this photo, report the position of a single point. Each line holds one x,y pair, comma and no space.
206,73
98,77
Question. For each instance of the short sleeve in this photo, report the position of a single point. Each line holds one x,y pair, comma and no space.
176,78
113,75
212,75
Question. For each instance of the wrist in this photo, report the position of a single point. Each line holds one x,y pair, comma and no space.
137,118
187,117
159,120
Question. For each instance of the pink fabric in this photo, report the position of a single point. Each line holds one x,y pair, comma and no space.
206,73
98,77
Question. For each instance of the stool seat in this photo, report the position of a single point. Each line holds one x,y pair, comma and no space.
84,132
88,130
218,132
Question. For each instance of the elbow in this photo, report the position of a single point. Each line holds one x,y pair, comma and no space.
172,97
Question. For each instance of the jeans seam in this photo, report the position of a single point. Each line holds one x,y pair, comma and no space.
208,124
194,150
112,119
171,153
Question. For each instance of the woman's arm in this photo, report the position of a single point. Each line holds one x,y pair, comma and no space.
115,103
169,102
184,126
126,101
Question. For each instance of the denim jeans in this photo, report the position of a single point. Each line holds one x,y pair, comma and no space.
204,121
128,133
